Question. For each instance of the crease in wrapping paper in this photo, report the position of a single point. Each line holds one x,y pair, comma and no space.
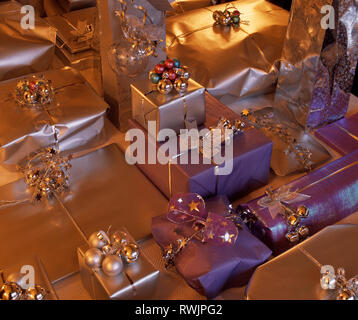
26,51
235,63
274,280
71,5
318,65
277,227
69,121
66,221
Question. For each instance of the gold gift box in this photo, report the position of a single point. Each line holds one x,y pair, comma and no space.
168,111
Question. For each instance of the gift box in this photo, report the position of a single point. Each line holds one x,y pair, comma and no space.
179,176
122,61
103,191
70,5
296,274
169,111
74,120
232,62
318,64
40,275
210,268
137,281
26,50
181,6
342,135
330,193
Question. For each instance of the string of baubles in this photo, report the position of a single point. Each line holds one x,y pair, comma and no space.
170,74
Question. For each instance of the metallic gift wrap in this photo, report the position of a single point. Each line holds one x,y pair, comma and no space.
26,51
232,62
169,111
40,273
76,115
341,136
283,160
209,268
251,162
295,275
181,6
117,87
138,280
318,64
71,5
332,192
103,191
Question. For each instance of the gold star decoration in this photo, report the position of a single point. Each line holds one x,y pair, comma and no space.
194,206
245,112
224,223
209,220
172,208
211,235
227,237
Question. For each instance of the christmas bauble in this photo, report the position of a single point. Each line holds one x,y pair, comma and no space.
159,68
176,63
181,85
172,75
112,265
98,239
216,15
120,238
130,252
155,78
169,64
36,293
10,291
303,211
94,258
165,86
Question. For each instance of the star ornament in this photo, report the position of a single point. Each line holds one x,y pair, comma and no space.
227,237
194,206
245,112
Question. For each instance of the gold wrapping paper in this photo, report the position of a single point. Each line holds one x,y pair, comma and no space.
236,63
138,280
169,111
41,277
76,115
26,51
181,6
104,191
70,5
295,276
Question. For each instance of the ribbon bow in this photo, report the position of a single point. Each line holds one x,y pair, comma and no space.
83,32
209,227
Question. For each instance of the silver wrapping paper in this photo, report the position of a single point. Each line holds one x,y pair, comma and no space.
23,51
40,273
228,62
169,111
76,116
104,191
138,280
318,64
117,87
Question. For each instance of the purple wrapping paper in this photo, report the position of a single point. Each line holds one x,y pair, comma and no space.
248,148
341,136
333,191
208,268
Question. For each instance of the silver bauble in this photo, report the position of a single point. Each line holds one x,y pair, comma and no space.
181,85
37,293
130,252
120,238
18,278
94,258
164,86
112,266
186,74
225,21
98,239
109,249
10,291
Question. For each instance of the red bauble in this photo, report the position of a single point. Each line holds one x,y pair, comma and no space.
172,75
32,86
169,64
159,68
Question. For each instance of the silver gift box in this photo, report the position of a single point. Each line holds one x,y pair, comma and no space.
169,111
138,280
41,277
76,115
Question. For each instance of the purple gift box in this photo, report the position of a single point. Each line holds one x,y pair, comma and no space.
250,163
330,194
207,267
342,135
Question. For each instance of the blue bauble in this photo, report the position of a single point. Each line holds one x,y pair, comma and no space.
155,78
176,63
